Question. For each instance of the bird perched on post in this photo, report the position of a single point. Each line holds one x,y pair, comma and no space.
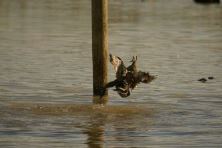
127,78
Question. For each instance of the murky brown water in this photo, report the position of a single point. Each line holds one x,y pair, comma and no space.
46,75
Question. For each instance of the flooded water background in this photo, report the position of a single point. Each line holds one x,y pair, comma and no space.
46,75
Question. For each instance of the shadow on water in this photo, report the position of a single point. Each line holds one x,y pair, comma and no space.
93,119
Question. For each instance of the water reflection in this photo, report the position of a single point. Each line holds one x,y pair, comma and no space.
98,123
95,131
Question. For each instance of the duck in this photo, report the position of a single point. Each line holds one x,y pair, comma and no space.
127,78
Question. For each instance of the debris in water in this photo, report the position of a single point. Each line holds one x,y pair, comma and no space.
210,78
203,80
207,1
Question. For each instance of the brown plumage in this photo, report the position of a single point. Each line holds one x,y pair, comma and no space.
127,78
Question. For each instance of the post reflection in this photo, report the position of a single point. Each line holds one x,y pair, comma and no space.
121,122
95,131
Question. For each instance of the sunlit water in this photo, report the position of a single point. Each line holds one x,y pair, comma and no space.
46,75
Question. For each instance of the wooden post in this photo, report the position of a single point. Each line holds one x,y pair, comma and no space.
99,45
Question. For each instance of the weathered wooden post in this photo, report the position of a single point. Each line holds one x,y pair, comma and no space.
99,46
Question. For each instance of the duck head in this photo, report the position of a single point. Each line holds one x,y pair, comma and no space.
145,77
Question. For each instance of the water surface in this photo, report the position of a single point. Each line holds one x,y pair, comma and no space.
46,75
